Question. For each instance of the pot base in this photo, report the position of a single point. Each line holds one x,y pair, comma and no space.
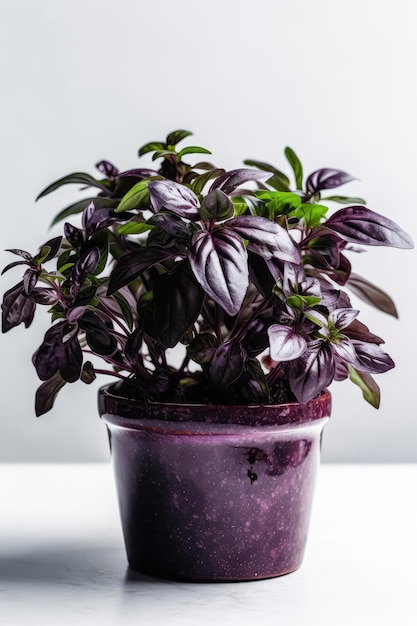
136,572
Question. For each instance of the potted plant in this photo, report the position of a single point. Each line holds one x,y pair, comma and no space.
216,299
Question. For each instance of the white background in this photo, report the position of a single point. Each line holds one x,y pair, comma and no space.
84,80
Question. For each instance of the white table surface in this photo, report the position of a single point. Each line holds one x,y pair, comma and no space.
62,558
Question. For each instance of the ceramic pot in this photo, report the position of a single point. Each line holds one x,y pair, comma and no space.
212,493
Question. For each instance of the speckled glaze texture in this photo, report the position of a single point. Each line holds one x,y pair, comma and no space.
224,497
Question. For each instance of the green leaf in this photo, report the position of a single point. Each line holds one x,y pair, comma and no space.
367,384
55,314
312,214
278,182
205,165
297,168
279,202
162,154
77,177
145,303
150,147
200,182
176,136
125,308
216,206
72,209
300,302
43,253
192,150
66,267
202,348
345,199
78,207
134,228
136,197
239,206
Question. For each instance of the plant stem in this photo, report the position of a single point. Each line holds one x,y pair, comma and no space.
110,373
102,307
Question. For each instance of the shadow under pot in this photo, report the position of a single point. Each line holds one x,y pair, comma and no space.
214,492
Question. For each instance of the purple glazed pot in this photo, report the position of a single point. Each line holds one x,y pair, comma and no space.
226,496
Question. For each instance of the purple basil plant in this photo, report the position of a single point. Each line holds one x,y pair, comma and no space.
243,275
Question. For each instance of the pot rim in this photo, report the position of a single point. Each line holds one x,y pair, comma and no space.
128,412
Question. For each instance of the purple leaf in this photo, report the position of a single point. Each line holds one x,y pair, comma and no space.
86,264
312,372
327,178
46,394
95,217
341,370
167,194
108,169
11,265
341,273
30,278
326,250
227,363
265,237
359,224
78,207
262,274
228,181
295,282
357,330
177,300
16,308
54,245
285,343
253,384
59,351
333,298
294,275
97,334
141,172
74,235
202,348
171,224
370,358
255,340
219,262
43,295
130,266
371,294
343,317
344,350
133,347
25,255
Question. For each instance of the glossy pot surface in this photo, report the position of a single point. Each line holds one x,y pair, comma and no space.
226,497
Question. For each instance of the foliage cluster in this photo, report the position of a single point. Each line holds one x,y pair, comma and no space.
242,269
